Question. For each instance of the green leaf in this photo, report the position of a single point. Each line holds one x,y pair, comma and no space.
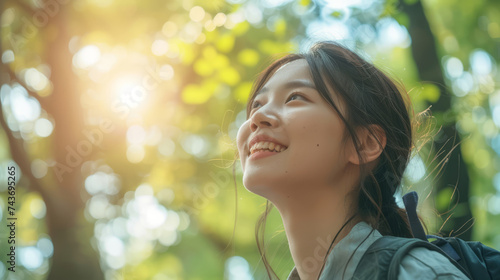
248,57
430,92
443,199
225,43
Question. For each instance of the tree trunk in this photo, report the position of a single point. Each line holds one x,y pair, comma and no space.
70,233
454,173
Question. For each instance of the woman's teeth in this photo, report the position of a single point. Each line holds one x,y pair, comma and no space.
270,146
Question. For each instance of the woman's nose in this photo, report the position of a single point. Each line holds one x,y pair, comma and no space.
263,118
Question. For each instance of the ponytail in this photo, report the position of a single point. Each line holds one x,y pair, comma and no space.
377,203
397,220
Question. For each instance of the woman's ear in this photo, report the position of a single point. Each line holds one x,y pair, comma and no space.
371,144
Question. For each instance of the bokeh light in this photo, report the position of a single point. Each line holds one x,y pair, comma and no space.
159,47
24,108
135,153
454,67
101,182
35,79
238,268
197,13
87,56
30,257
39,168
45,246
7,56
136,134
415,170
481,63
195,145
43,127
37,208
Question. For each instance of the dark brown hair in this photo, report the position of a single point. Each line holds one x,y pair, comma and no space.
370,98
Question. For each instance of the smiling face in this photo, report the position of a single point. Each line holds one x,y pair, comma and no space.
289,111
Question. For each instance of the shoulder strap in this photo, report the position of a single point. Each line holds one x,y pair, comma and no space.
411,200
382,259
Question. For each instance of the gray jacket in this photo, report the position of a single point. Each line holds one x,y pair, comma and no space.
420,263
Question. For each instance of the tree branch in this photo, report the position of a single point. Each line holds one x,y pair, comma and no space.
14,77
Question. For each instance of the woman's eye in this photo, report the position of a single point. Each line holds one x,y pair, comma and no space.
294,96
255,104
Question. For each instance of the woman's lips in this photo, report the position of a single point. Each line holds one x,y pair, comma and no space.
263,154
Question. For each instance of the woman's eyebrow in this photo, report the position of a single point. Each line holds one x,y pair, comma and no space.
289,85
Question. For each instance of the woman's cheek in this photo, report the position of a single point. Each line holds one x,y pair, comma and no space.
241,137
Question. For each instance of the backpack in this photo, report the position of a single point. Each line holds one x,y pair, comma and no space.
383,258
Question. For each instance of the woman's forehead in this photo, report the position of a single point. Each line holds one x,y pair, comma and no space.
298,67
297,70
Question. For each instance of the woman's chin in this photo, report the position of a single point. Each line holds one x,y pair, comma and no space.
255,186
265,186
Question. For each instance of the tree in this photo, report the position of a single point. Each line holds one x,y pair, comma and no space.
448,159
70,234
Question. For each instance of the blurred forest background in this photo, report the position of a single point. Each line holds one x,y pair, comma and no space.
121,118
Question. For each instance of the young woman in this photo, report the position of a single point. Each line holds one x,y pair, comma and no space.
326,141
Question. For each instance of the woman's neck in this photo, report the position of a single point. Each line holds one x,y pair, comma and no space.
311,221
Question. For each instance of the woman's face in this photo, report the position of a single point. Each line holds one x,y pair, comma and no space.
291,113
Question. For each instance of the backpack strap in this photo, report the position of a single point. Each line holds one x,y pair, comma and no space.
376,261
411,200
383,258
446,247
